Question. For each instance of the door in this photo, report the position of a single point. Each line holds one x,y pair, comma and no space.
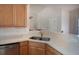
36,48
19,15
24,48
6,15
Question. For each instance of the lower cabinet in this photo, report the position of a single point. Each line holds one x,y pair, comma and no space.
24,48
36,48
28,48
36,51
51,51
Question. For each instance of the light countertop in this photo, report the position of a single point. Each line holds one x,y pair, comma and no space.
67,44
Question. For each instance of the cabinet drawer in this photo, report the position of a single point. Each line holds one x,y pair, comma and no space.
37,44
24,43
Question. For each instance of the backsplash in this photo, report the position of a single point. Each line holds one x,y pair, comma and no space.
13,31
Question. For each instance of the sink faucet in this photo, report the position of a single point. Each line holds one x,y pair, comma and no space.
41,34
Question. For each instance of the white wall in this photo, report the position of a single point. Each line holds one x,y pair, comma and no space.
65,21
35,12
55,20
46,16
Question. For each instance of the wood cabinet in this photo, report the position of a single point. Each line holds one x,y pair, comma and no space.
13,15
12,49
36,48
36,51
6,15
51,51
28,48
19,11
24,48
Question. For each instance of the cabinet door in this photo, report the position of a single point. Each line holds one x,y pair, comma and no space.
36,48
6,15
19,15
24,48
36,51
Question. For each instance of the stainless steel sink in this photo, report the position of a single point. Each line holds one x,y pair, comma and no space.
40,38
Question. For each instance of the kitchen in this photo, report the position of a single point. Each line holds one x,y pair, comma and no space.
39,29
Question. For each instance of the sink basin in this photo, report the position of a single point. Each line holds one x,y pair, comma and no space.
39,38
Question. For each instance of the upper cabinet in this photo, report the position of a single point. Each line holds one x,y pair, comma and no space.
13,15
6,15
19,15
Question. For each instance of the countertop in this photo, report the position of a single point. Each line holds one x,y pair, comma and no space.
67,44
